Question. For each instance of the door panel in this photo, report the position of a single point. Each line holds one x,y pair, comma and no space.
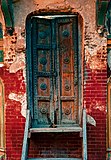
54,72
43,86
44,61
42,72
67,112
43,112
66,58
43,32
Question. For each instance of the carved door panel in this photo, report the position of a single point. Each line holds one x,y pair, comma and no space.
43,72
67,79
54,71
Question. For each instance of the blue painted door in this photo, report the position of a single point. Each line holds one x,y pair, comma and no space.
54,62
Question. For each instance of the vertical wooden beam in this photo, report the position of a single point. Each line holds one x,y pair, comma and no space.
84,135
2,123
108,138
1,45
109,116
29,67
26,139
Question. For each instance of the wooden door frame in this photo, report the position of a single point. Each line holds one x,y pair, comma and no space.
29,57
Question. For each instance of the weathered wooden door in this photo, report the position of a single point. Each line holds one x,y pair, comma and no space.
54,62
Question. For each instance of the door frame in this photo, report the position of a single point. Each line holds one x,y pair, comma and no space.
29,63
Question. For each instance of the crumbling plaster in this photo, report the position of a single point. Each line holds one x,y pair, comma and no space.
93,43
22,99
94,46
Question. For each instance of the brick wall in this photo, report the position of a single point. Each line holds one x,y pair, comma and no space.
94,91
13,120
95,97
57,144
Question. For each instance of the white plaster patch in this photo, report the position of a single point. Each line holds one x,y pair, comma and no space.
19,64
91,120
20,47
96,58
95,46
100,107
22,99
96,105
